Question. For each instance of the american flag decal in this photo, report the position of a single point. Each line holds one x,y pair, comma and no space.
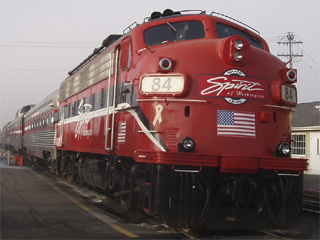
236,124
122,132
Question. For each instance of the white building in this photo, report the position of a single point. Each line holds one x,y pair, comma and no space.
306,135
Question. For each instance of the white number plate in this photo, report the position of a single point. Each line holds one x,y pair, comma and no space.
162,84
288,94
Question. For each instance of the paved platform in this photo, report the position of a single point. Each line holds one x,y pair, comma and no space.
34,206
311,184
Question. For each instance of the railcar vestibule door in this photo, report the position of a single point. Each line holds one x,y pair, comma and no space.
112,101
121,93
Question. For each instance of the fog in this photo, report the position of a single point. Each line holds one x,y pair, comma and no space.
41,40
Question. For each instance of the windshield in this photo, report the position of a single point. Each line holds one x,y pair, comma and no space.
227,31
173,32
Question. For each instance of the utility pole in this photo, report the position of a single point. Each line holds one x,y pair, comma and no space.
289,41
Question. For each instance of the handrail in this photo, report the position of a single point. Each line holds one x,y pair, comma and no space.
235,20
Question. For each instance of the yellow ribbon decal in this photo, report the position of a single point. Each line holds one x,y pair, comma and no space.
158,117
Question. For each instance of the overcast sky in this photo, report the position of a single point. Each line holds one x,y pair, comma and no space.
41,40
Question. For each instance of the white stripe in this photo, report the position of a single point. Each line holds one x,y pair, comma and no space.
103,112
245,123
236,126
244,114
146,131
234,134
235,130
243,118
94,114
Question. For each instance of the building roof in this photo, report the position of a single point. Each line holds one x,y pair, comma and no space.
306,114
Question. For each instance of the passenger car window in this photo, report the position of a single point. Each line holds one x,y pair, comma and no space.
49,120
177,31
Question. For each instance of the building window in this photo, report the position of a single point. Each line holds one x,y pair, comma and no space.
298,144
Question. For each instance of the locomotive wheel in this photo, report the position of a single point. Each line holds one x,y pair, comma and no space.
67,167
126,197
79,177
108,177
54,170
70,171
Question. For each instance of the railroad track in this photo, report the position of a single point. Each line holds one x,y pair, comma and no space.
311,202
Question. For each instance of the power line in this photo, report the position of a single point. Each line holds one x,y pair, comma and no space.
315,70
290,42
34,70
39,46
283,37
308,56
44,44
32,42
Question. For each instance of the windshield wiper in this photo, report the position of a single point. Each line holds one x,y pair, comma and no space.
172,28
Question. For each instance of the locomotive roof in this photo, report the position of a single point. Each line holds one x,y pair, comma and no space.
105,43
168,13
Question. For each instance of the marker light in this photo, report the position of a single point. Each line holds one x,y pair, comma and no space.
292,75
289,75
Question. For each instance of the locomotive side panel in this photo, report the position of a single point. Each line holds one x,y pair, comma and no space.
88,108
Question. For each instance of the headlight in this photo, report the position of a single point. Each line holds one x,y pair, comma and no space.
236,50
238,56
284,150
238,44
187,145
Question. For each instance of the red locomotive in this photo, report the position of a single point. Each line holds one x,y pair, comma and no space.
187,118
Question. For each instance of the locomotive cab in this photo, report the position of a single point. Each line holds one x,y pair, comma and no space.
217,106
220,63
